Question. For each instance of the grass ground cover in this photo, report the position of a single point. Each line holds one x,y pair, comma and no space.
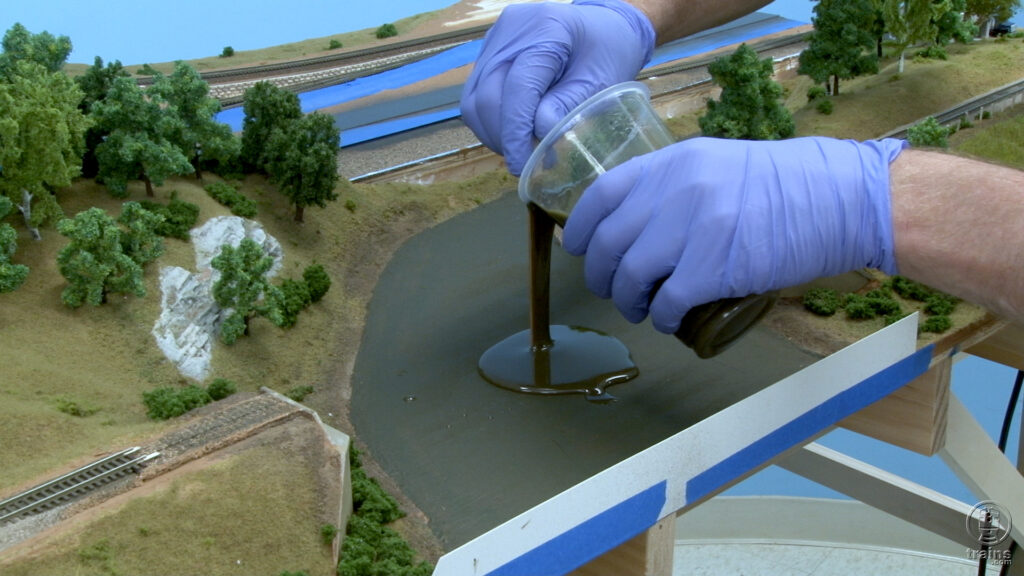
1000,139
254,513
869,106
105,357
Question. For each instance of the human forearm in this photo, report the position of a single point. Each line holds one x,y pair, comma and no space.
958,225
674,19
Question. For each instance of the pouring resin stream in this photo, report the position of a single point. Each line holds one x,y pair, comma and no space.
608,129
557,359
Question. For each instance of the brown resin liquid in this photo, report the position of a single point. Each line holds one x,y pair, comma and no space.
559,359
556,359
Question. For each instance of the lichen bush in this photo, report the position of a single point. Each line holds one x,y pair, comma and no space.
371,548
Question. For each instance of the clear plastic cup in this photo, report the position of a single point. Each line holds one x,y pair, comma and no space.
607,129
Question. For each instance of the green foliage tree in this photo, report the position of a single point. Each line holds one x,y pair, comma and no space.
910,22
386,31
45,49
227,52
304,161
199,135
242,283
841,45
749,106
982,10
41,140
141,128
952,24
94,262
12,276
140,240
95,82
267,108
928,132
284,302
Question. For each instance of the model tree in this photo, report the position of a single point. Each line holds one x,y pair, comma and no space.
242,283
267,108
94,262
139,238
140,144
12,276
983,10
749,106
45,49
200,135
303,161
41,139
953,25
95,82
842,43
910,22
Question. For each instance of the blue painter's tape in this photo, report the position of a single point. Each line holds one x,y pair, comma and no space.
810,423
592,538
354,136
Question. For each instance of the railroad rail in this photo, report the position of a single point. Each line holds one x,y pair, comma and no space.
412,46
969,108
678,66
72,485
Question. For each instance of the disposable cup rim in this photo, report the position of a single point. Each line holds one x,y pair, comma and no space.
552,135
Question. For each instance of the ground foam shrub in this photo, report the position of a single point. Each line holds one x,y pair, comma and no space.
317,280
821,301
220,389
170,402
179,217
227,195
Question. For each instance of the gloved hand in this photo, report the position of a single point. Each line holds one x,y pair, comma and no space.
727,218
540,61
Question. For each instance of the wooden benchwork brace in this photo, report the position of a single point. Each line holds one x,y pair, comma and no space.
649,554
913,417
1005,346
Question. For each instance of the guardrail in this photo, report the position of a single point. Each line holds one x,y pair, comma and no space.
975,107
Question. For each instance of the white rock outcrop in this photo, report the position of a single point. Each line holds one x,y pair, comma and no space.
189,317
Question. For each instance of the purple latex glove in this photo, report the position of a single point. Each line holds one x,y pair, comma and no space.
727,218
539,61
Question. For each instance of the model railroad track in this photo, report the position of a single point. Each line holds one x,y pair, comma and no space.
968,109
703,61
72,485
477,150
405,51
